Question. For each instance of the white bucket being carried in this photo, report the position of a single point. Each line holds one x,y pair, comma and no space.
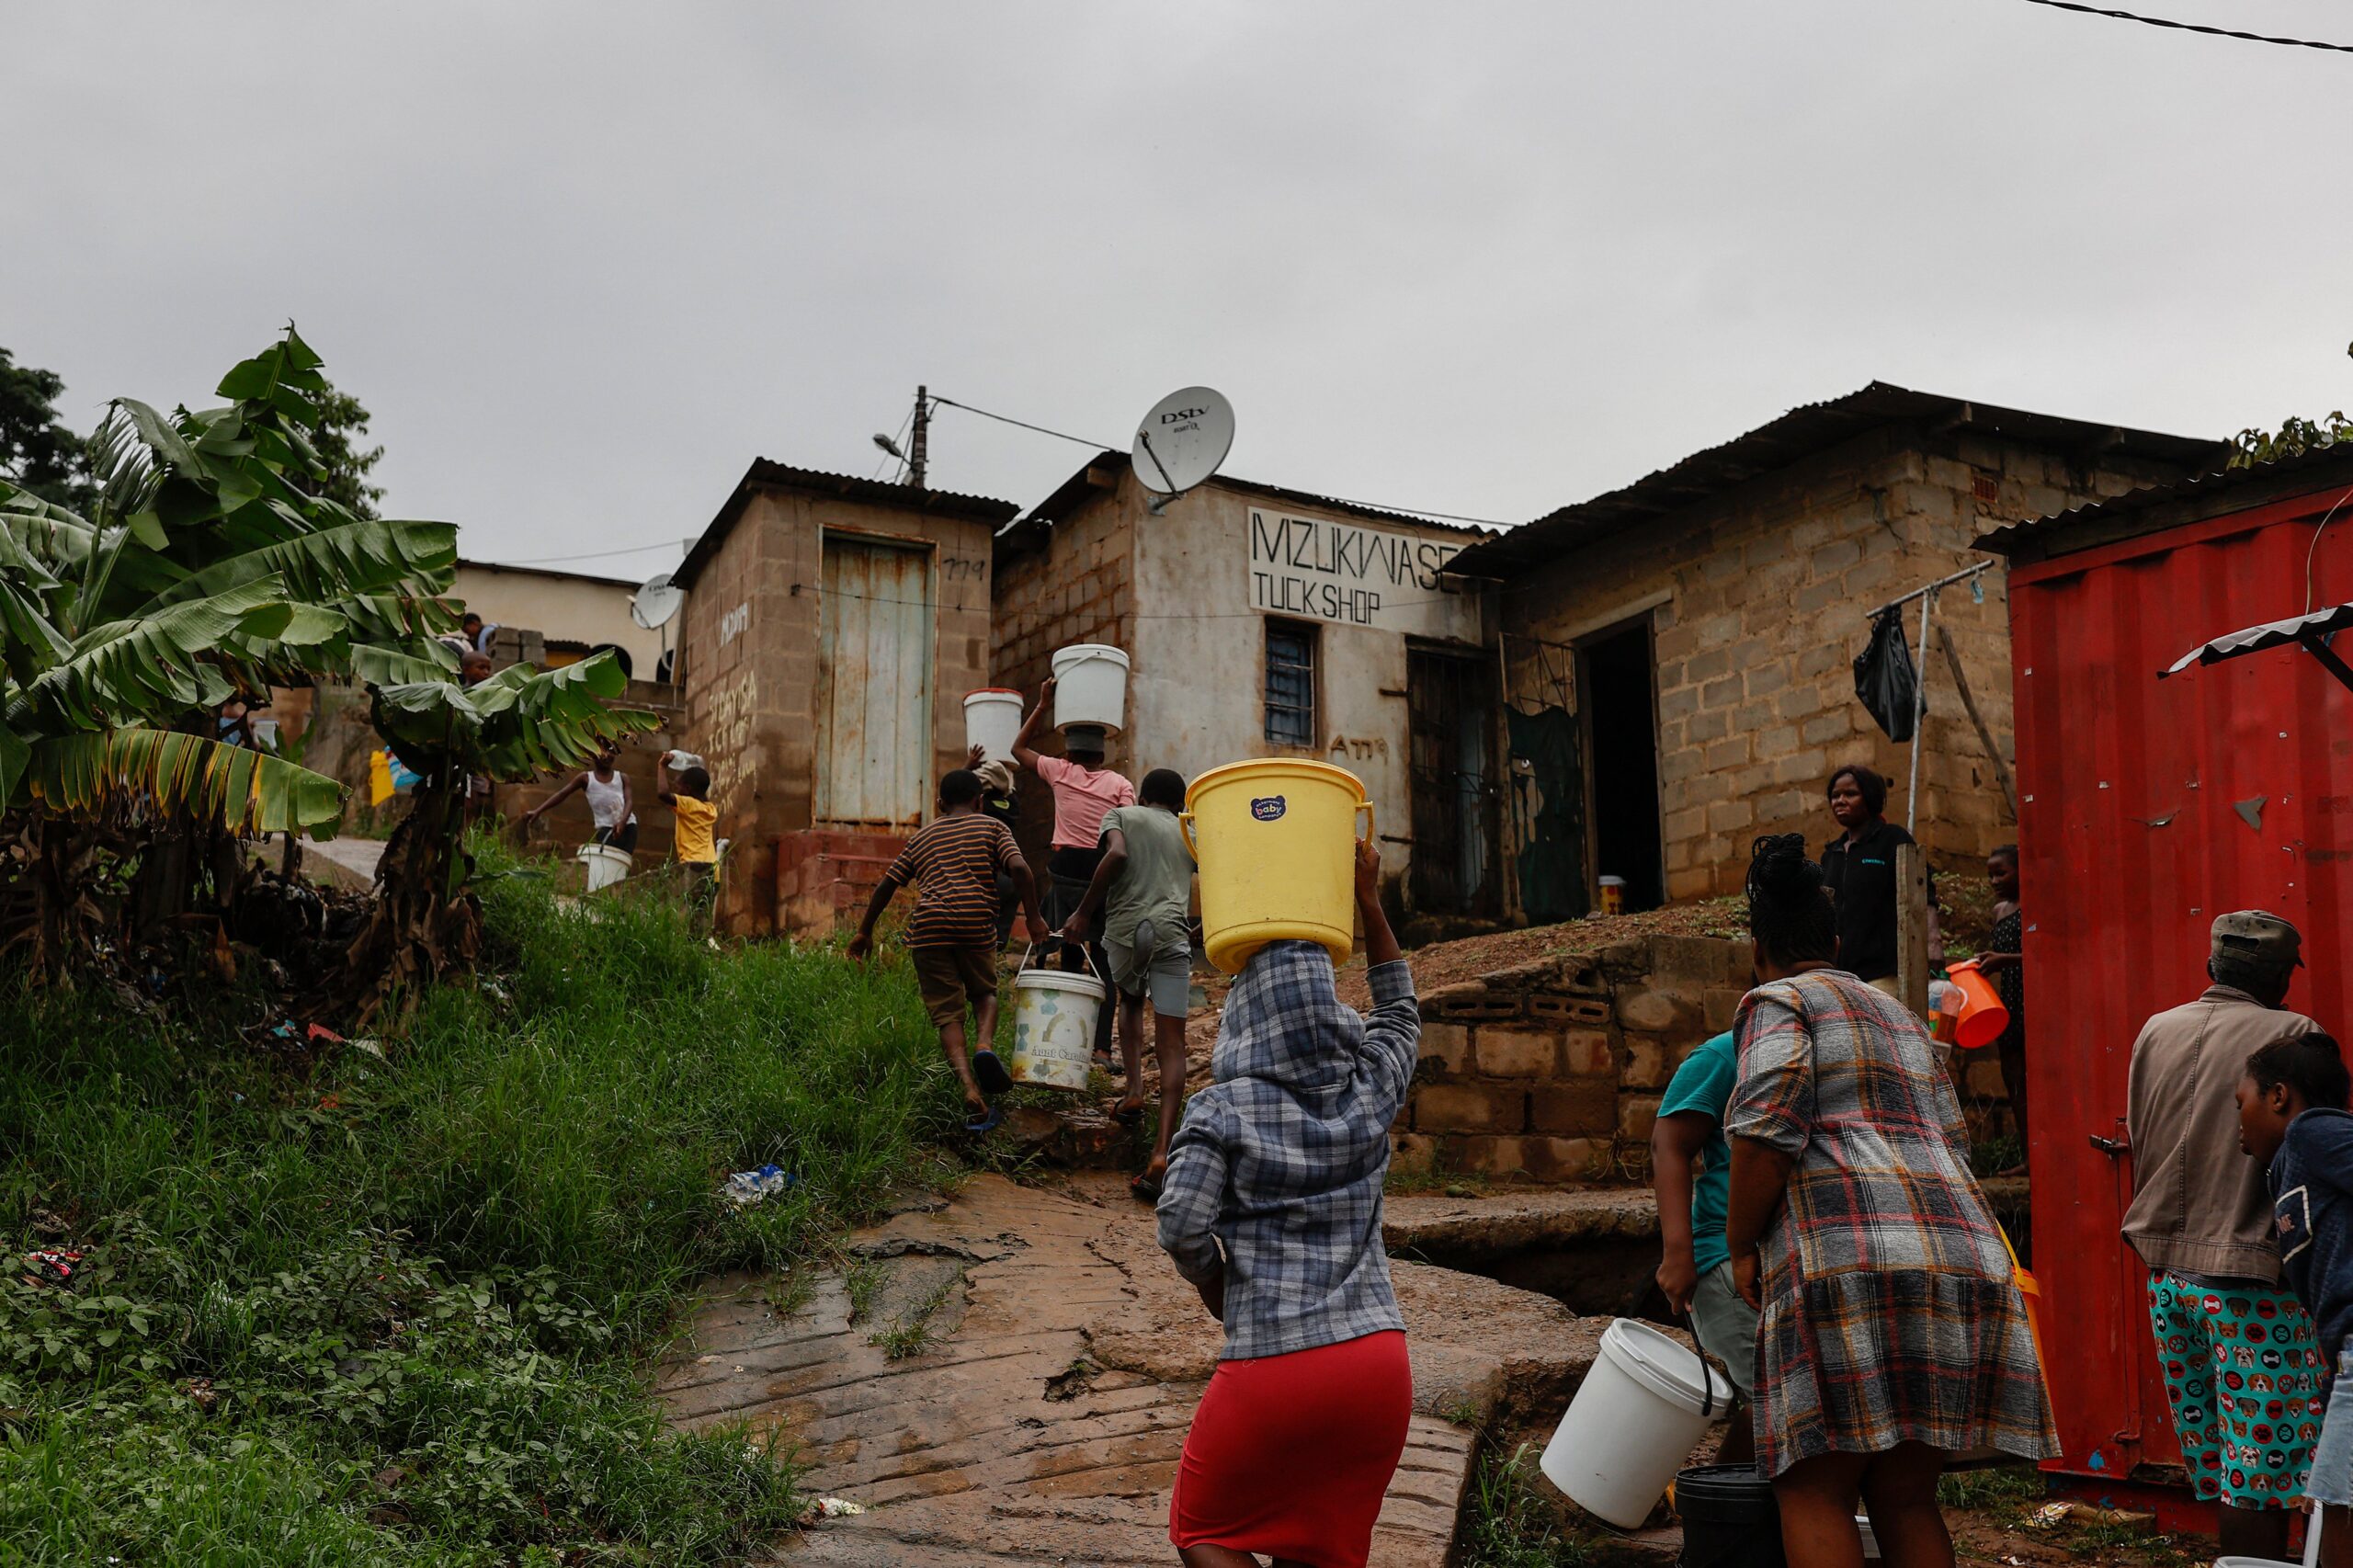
1091,686
606,864
1054,1026
1635,1419
991,719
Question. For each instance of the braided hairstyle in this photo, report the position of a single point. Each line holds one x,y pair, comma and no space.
1788,903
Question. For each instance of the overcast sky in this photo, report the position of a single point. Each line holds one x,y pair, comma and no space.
585,261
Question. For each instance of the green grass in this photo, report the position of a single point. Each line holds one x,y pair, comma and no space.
400,1311
1508,1523
910,1334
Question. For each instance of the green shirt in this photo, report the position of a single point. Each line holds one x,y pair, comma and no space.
1156,884
1703,1083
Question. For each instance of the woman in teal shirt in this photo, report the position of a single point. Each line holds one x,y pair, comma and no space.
1691,1174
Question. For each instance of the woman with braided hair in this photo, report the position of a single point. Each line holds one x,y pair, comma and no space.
1891,1332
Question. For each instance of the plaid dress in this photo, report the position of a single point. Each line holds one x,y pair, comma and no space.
1890,1312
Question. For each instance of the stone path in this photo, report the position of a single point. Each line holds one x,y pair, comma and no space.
1048,1362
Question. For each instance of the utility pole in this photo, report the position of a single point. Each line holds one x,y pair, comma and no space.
919,446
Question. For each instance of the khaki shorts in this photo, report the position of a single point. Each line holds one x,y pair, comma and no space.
951,978
1157,965
1726,1326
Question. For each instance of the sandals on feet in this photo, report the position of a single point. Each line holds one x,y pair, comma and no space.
978,1125
990,1074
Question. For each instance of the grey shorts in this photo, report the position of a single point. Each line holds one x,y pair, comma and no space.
1726,1326
2330,1480
1155,965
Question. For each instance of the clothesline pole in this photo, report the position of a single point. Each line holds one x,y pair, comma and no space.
1920,711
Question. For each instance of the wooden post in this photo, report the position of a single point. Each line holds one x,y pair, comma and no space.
1986,735
1912,927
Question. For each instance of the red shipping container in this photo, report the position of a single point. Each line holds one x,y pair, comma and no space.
2146,808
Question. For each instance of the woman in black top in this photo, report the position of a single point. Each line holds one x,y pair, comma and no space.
2004,962
1860,867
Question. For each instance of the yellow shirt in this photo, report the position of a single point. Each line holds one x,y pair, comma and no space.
693,840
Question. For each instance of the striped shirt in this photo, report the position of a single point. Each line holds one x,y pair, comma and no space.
954,863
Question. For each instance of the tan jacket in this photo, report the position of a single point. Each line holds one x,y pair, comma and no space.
2198,1204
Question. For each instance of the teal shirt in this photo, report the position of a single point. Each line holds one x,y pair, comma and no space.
1705,1083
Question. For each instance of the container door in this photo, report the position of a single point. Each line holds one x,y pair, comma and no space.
1451,701
874,659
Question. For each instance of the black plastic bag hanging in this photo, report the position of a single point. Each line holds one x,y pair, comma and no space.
1886,680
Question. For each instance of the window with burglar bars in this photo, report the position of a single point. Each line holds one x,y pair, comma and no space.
1290,683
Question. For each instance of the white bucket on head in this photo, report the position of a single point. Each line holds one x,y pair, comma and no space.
606,864
1091,685
1633,1423
991,719
1053,1028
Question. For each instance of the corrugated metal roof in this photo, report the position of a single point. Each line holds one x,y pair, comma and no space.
765,475
2167,505
556,572
1783,441
1100,473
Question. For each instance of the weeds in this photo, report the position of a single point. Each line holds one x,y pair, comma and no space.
2004,1492
1509,1525
910,1333
862,1281
394,1312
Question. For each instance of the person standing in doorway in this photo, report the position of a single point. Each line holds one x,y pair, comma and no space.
611,810
2004,962
1144,889
1083,791
1691,1174
1860,867
1891,1333
2201,1220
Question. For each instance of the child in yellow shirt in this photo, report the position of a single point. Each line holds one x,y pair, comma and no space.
695,843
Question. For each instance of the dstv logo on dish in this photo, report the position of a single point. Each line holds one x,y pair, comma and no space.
1182,415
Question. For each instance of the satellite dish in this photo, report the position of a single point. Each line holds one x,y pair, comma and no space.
653,604
1183,439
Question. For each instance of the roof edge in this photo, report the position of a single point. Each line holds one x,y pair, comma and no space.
765,474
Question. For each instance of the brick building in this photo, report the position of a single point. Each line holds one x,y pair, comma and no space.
1262,622
832,628
1678,654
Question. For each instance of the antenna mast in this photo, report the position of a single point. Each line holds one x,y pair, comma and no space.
918,447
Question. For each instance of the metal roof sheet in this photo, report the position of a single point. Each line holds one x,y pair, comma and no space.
764,475
2269,634
1797,434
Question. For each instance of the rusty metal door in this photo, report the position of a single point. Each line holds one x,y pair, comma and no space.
1450,700
874,658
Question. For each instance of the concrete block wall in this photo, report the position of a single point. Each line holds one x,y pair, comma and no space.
1554,1071
1758,604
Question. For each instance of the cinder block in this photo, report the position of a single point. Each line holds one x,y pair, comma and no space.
1518,1053
1579,1106
1589,1053
1564,1159
1468,1108
1412,1151
1485,1156
1635,1114
1448,1045
1719,1007
1656,1011
1647,1066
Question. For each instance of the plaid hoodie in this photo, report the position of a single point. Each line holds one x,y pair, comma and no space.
1280,1159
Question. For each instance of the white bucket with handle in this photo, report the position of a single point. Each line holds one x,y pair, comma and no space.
1641,1410
1090,687
991,720
606,865
1053,1026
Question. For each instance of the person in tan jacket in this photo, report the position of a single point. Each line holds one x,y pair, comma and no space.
2237,1347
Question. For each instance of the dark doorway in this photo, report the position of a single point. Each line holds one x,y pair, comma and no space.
1615,689
1451,698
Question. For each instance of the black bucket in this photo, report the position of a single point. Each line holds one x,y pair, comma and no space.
1730,1520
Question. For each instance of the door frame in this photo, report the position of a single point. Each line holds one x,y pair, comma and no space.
1494,893
1645,620
876,538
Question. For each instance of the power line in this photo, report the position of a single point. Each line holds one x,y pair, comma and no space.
592,555
1008,419
2191,26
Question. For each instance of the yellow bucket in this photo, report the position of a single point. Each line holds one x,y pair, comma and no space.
1275,843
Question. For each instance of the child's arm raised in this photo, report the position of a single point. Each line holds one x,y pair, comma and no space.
662,791
1025,749
1392,1031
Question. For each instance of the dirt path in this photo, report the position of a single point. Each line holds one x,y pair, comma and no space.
1047,1364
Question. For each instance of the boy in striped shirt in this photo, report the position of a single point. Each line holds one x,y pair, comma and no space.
951,938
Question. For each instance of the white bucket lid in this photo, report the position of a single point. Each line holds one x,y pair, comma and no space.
1666,1367
1058,980
602,852
1079,652
992,694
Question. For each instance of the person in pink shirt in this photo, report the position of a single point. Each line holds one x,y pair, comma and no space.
1084,790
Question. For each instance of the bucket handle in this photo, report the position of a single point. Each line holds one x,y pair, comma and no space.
1707,1371
1086,948
1185,826
1364,808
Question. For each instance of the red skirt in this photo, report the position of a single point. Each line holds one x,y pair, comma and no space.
1290,1455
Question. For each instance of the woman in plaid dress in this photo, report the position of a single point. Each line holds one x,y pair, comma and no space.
1892,1332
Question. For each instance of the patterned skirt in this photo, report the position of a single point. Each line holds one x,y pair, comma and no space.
1856,1362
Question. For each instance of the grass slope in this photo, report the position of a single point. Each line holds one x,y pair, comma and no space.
361,1311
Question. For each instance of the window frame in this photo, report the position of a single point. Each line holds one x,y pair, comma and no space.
1309,635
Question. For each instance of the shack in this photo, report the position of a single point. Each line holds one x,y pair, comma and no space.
1678,654
1262,622
574,613
2148,806
832,628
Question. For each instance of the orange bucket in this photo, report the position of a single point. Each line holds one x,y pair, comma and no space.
1983,1017
2031,1294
